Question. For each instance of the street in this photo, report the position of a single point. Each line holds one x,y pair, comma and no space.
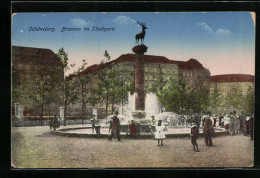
37,147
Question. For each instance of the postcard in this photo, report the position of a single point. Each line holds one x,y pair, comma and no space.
132,90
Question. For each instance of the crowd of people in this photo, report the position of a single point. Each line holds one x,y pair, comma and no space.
237,123
233,123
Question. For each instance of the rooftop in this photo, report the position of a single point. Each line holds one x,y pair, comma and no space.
191,64
34,54
232,78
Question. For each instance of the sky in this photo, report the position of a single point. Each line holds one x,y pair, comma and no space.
223,42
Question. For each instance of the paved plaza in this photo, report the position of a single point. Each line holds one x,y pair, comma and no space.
37,147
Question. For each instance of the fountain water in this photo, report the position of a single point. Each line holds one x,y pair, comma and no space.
152,105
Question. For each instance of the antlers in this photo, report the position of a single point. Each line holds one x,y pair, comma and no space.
142,24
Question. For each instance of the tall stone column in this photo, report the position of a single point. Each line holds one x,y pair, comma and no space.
139,77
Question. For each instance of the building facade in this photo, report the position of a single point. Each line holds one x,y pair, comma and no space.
192,72
32,68
225,83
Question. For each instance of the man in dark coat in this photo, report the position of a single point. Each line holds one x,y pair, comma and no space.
251,127
241,122
55,123
208,131
115,127
219,120
194,135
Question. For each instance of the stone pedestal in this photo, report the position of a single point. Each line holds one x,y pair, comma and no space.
139,114
139,77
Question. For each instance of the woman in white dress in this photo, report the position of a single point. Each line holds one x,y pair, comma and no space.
159,134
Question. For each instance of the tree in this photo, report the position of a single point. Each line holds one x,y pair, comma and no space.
250,101
175,97
69,94
81,87
215,100
180,98
106,84
198,99
112,86
18,82
159,87
126,84
234,97
63,56
44,89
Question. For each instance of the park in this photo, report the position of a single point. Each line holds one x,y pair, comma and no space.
69,121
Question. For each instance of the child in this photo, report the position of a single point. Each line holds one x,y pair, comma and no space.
97,128
132,129
194,135
159,134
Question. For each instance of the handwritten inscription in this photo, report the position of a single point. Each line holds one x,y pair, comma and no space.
44,29
72,29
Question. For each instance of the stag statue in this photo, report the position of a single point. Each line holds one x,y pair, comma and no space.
142,34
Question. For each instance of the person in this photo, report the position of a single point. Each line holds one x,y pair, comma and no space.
93,122
138,129
110,125
211,118
251,127
51,124
197,120
152,127
208,131
235,123
115,127
194,135
159,134
215,120
97,128
203,118
55,123
226,122
241,122
132,129
247,124
220,120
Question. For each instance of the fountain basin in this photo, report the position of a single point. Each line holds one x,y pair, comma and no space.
86,132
